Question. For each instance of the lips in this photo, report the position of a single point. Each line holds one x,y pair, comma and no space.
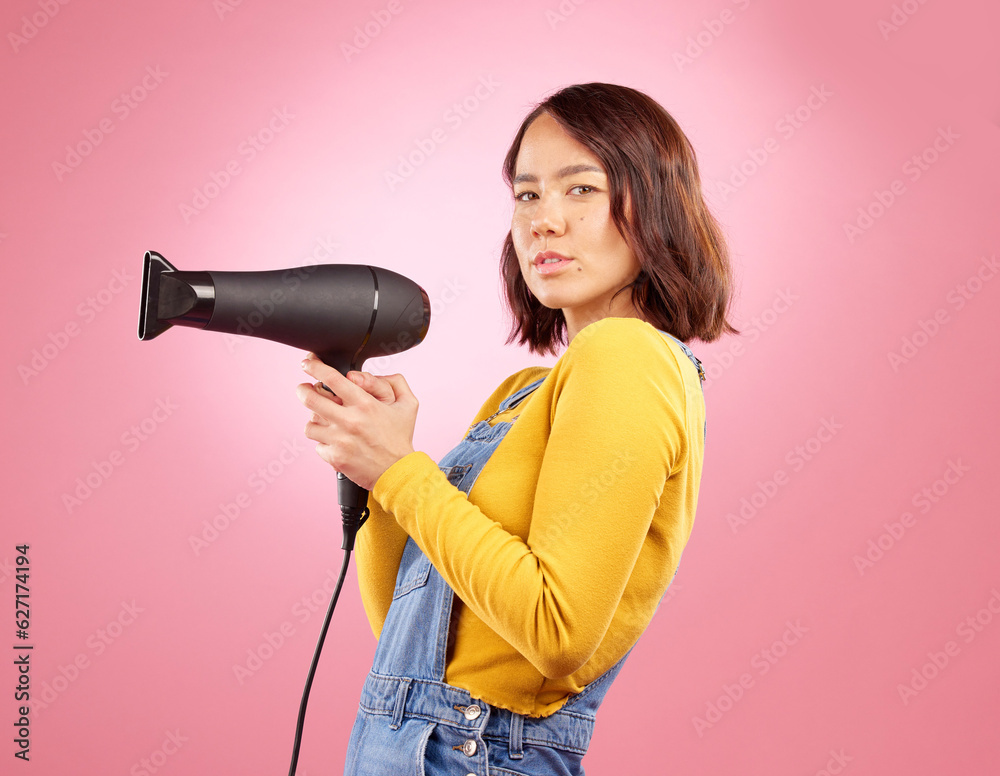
544,267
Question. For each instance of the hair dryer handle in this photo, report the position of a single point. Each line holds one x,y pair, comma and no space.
353,501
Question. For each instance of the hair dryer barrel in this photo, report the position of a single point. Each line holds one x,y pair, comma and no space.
344,313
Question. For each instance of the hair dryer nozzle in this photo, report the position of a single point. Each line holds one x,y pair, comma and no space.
153,265
171,297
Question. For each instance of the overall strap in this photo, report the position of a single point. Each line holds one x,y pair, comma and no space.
698,366
690,354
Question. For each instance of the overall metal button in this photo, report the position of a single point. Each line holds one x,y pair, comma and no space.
472,712
469,747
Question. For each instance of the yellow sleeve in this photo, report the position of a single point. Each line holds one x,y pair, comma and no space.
616,432
380,542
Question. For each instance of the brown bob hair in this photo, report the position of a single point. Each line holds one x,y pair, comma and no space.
685,282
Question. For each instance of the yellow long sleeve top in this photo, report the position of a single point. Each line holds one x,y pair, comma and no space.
562,550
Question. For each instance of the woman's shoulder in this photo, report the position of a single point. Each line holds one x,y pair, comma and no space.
626,373
626,344
520,379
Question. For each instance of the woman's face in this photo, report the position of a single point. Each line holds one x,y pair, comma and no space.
571,254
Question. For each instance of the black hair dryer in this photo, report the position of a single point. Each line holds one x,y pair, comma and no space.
344,313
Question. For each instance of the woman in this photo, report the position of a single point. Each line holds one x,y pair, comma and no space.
504,612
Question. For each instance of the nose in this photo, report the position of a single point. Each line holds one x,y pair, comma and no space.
547,220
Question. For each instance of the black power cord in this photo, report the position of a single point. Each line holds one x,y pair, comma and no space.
353,518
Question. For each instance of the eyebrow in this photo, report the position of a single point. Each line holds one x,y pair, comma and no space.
565,172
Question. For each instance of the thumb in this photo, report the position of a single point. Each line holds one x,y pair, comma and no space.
400,387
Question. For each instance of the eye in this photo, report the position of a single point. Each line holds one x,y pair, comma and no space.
583,189
524,196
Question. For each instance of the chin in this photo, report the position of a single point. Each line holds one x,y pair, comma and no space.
552,302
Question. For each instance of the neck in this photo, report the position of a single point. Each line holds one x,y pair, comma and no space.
576,322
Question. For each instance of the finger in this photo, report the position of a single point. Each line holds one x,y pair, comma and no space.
375,386
318,401
333,379
321,432
315,431
325,391
325,453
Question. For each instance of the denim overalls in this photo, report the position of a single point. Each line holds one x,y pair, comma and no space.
410,723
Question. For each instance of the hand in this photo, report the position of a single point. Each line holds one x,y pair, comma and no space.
364,426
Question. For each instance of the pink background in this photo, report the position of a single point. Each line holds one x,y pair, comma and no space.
825,616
